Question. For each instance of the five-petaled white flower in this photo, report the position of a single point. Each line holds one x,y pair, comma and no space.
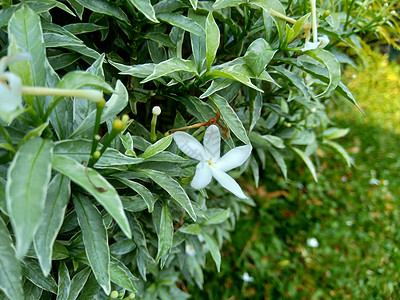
211,164
10,87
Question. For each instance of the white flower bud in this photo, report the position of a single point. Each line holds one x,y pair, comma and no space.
156,110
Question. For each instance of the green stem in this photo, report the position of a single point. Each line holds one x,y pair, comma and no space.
95,139
92,95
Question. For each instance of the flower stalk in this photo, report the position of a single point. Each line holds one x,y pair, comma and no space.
156,112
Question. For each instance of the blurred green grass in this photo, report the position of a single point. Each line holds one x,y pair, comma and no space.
353,213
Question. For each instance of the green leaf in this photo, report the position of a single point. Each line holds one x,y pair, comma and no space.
273,5
214,249
79,150
145,7
279,160
140,239
157,147
339,148
194,229
60,109
226,3
165,233
55,40
216,85
58,194
182,22
212,39
307,161
173,188
230,118
332,65
81,28
295,79
258,55
169,66
216,216
229,73
161,38
335,133
10,268
276,141
114,105
121,275
25,26
64,282
26,188
31,291
108,197
104,7
95,239
31,270
78,282
32,133
142,191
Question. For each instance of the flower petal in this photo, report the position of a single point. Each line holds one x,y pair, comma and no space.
212,143
228,182
310,46
189,145
233,158
324,41
11,93
202,177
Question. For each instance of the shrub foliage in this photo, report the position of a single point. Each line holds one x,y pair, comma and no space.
96,201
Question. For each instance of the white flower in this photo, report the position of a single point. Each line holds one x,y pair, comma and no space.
247,278
10,88
322,43
211,165
313,242
189,249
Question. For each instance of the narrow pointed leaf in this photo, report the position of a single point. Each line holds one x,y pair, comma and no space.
58,195
145,7
214,249
212,39
258,56
27,180
182,22
332,65
140,239
157,147
230,118
26,27
173,188
142,191
121,275
307,161
171,65
165,233
95,240
78,282
243,78
108,197
10,268
279,160
64,282
32,271
104,7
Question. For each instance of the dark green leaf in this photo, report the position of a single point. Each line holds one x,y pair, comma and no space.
58,194
95,239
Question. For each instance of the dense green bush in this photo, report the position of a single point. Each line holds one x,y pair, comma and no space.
96,200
